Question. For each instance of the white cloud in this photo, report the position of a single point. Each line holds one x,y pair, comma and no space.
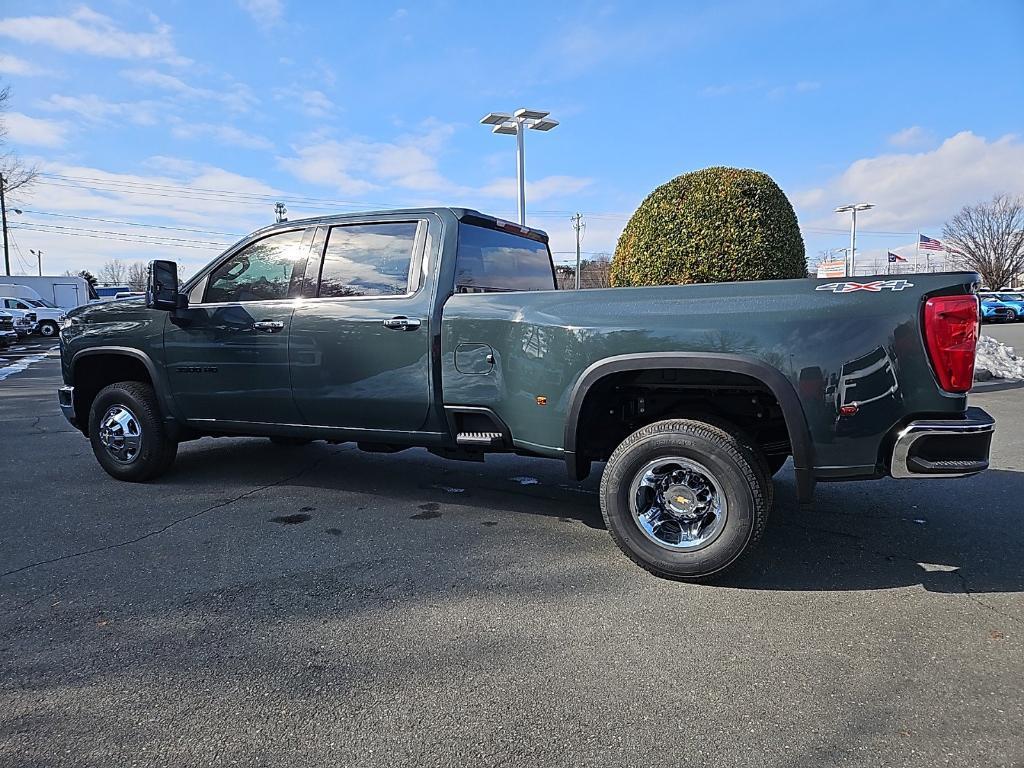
12,65
911,138
168,196
316,104
234,95
34,131
356,166
266,13
85,31
912,190
225,134
539,190
96,109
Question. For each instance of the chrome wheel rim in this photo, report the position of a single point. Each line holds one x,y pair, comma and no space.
121,434
678,503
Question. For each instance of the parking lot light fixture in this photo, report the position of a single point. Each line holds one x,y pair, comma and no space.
851,267
514,125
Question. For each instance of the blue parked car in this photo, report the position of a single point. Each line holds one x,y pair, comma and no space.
995,311
1013,300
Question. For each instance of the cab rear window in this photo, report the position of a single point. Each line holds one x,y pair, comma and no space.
491,260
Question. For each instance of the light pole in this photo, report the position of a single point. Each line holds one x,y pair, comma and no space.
514,125
39,259
853,208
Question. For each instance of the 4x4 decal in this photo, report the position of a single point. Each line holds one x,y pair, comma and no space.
873,287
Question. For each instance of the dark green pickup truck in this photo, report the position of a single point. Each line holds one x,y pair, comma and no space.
442,328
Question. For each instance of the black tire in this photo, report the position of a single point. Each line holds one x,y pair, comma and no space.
48,329
735,465
1011,316
775,463
155,452
289,442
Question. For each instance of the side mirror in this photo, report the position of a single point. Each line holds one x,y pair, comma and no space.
162,286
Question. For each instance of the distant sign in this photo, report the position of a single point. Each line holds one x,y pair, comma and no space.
832,268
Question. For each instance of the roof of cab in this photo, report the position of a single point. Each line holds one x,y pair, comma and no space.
469,215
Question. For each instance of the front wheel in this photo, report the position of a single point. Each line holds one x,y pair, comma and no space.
127,432
1011,316
685,499
48,329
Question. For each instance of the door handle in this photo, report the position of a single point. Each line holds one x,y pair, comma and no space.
402,323
268,326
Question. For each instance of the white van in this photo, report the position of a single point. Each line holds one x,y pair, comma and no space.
64,291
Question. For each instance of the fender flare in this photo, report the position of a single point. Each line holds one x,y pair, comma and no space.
771,377
163,394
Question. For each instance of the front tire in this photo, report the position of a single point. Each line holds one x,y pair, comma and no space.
685,499
127,432
1011,316
48,329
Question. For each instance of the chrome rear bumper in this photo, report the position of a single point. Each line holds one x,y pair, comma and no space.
943,447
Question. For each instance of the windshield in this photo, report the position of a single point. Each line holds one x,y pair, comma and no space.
41,303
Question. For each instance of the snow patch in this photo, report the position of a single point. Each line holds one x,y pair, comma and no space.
20,366
996,361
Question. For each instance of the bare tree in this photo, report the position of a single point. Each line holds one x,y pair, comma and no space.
16,174
137,276
114,272
989,238
596,272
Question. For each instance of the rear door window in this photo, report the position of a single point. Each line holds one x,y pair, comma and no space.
492,260
369,260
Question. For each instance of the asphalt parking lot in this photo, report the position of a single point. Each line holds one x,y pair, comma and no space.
321,606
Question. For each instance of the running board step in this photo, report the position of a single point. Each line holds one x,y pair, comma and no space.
479,439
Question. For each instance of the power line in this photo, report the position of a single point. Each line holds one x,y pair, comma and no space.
123,237
61,227
133,223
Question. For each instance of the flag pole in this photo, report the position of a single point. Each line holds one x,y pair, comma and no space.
917,253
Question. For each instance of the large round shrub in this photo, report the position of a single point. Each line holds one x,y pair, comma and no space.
710,226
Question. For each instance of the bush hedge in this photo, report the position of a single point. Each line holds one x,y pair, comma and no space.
709,226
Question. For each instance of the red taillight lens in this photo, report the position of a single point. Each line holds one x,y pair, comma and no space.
951,335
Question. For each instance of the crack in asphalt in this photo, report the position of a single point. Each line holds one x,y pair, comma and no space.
896,556
175,522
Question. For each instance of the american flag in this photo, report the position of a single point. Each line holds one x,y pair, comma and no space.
894,257
931,244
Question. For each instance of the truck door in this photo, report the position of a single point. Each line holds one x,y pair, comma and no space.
360,344
227,354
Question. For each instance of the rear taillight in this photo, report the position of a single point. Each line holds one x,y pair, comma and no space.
951,335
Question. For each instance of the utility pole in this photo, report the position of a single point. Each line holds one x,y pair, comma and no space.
39,259
579,225
3,213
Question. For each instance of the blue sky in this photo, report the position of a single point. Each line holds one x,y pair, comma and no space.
199,120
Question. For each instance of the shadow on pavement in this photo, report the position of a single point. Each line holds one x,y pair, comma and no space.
951,536
948,536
